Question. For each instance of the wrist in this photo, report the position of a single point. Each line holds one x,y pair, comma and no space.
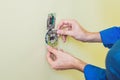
79,65
92,37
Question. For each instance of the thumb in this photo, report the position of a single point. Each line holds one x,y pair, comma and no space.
64,32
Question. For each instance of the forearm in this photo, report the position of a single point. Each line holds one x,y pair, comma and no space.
92,37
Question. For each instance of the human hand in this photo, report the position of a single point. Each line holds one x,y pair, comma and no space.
60,60
71,28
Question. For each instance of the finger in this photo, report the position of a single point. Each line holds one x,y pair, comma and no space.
64,23
53,57
64,38
65,28
63,32
61,24
52,50
50,61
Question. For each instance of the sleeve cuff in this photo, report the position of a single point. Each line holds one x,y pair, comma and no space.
94,73
110,36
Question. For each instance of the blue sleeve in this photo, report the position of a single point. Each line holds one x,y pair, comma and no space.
94,73
110,36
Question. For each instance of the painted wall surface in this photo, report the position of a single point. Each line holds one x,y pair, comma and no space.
23,29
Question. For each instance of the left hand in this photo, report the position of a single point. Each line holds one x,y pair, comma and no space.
60,60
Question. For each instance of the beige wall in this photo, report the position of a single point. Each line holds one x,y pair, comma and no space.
23,29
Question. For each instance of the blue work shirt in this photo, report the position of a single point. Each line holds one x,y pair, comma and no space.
111,39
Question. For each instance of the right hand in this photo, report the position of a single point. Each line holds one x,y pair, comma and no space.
71,28
74,29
